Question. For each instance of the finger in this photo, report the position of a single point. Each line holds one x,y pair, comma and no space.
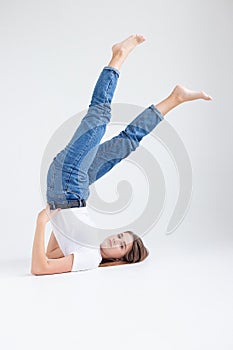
56,211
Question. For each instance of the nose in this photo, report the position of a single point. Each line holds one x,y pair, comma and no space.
116,242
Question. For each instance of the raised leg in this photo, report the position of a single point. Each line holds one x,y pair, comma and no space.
68,173
111,152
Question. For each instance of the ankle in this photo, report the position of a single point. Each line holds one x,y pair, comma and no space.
178,94
119,52
175,98
168,104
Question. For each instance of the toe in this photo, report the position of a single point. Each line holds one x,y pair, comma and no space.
207,97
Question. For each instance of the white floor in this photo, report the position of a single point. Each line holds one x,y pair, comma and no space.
179,298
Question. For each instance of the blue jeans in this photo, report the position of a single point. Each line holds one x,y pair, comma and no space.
84,160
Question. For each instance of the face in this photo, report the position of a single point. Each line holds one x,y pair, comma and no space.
116,246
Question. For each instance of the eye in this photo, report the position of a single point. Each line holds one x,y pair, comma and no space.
122,246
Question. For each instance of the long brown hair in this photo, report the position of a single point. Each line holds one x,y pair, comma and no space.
137,253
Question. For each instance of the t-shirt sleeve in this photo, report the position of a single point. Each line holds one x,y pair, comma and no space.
86,260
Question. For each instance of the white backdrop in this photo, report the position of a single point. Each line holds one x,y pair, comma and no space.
51,55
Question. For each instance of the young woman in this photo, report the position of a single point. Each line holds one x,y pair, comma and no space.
83,161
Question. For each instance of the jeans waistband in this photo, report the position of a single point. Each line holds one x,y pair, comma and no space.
70,204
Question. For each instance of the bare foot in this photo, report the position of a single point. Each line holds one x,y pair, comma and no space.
126,46
182,94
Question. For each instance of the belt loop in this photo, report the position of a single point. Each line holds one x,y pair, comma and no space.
52,205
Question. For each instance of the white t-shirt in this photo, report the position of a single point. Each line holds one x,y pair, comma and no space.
76,234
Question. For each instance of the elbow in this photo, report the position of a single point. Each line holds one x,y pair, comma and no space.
35,272
38,271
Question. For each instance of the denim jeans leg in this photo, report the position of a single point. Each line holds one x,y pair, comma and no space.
112,151
70,166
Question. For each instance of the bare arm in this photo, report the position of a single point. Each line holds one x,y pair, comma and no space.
40,265
53,247
52,244
39,259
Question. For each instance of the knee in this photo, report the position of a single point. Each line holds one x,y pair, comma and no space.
131,138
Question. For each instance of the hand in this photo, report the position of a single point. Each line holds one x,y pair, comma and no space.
46,214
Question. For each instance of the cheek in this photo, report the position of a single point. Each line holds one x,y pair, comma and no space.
114,252
111,252
119,253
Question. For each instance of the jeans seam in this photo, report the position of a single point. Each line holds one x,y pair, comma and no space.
108,87
76,160
103,115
